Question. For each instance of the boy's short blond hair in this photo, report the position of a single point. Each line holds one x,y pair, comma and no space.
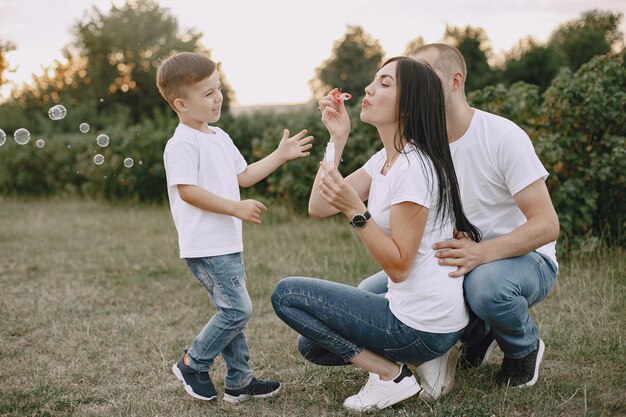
180,71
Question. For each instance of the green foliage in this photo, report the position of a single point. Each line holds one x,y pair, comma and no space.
584,144
5,46
580,135
535,64
65,165
473,45
354,62
596,32
123,49
258,134
109,72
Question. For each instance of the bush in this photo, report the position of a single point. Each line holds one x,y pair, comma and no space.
578,132
583,141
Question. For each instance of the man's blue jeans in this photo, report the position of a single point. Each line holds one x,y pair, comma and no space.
338,321
499,295
224,278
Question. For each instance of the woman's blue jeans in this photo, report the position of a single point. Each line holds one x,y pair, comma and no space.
339,321
499,295
224,278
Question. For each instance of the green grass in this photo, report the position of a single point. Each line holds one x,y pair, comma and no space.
95,306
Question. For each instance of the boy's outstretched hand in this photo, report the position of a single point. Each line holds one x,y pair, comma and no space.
294,147
250,211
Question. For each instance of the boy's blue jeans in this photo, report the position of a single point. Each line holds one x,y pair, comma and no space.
499,294
338,321
224,279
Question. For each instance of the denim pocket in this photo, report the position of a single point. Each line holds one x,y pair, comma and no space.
416,351
198,269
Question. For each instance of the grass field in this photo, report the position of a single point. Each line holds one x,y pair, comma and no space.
95,306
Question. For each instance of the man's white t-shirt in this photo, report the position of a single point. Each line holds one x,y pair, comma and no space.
212,162
428,299
494,160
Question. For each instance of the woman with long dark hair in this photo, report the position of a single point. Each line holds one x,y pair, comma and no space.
413,202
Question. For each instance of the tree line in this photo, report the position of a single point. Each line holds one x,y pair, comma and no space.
568,93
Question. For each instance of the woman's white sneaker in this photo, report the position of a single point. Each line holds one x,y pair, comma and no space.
437,376
378,394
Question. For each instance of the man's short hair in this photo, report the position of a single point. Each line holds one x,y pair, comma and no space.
181,70
450,59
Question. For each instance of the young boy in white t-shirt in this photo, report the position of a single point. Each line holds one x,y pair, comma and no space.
204,172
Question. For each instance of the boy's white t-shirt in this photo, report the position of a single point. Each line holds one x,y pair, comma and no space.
212,162
428,300
494,160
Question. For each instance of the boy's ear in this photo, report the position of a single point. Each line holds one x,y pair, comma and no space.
179,105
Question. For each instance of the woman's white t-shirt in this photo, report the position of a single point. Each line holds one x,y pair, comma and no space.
212,162
428,300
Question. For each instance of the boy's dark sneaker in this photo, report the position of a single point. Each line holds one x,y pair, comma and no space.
523,372
478,354
197,384
255,389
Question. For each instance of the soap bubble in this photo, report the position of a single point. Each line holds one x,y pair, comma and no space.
84,127
102,140
21,136
57,112
98,159
40,143
101,100
128,162
140,162
3,137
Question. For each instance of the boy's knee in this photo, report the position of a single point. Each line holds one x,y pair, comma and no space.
239,315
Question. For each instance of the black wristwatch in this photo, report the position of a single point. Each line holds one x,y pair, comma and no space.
360,220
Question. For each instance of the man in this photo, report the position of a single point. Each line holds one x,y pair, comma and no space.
505,196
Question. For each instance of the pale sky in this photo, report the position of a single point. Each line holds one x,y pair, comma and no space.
269,49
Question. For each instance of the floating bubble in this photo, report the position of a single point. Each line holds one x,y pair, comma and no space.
140,162
101,100
57,112
3,137
102,140
128,162
40,143
21,136
98,159
84,127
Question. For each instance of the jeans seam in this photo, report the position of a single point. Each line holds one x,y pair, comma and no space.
352,346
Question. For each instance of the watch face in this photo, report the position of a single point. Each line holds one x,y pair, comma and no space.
359,221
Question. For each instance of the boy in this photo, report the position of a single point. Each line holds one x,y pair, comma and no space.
204,172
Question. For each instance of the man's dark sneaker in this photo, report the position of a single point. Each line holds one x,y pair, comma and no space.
197,384
478,354
255,389
523,372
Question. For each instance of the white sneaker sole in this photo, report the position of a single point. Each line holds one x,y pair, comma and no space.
542,348
236,400
401,396
188,388
448,382
492,347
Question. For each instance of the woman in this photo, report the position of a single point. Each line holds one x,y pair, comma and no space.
413,202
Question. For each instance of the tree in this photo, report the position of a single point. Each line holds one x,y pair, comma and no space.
354,61
5,47
473,43
533,63
596,32
419,41
122,50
